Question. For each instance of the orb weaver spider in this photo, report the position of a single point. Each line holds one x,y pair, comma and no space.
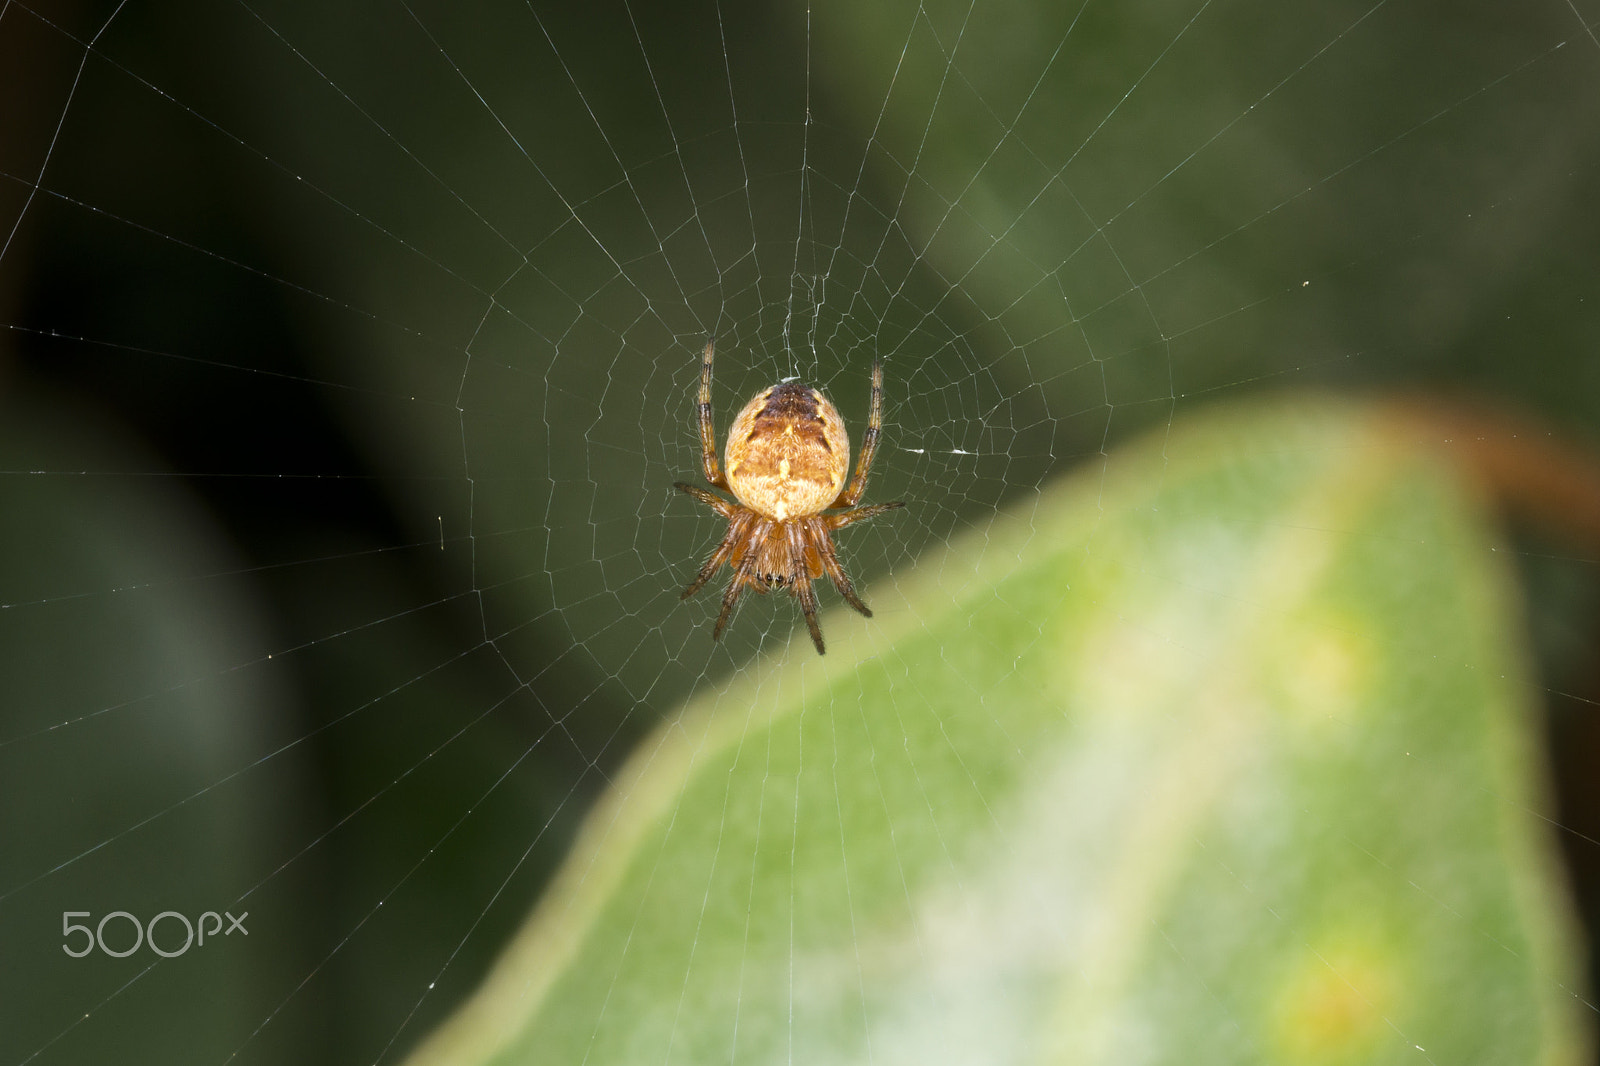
788,456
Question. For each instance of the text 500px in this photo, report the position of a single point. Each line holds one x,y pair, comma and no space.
194,933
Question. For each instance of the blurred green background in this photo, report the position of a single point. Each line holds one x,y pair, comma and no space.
349,357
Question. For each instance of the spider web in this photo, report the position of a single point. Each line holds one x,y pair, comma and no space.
353,354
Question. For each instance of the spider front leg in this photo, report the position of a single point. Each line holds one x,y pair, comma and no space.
708,430
744,567
800,580
823,545
736,531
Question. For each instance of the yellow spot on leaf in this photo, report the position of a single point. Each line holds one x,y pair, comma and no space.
1334,1007
1327,667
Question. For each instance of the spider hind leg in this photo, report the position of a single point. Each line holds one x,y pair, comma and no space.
708,431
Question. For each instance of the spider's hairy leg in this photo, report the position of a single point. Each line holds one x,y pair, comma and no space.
860,514
869,443
744,568
730,542
716,503
830,565
799,536
708,431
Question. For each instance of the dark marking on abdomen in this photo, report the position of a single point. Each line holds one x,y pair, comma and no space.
792,400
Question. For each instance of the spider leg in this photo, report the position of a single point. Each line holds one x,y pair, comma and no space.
830,565
716,503
708,430
800,580
860,514
869,443
730,541
742,571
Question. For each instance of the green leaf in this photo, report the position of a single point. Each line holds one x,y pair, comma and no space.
1221,753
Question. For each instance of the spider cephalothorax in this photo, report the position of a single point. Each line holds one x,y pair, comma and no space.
788,456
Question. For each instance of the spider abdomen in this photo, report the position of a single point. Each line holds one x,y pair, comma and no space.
788,452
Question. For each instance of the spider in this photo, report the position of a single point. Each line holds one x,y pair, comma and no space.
788,455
